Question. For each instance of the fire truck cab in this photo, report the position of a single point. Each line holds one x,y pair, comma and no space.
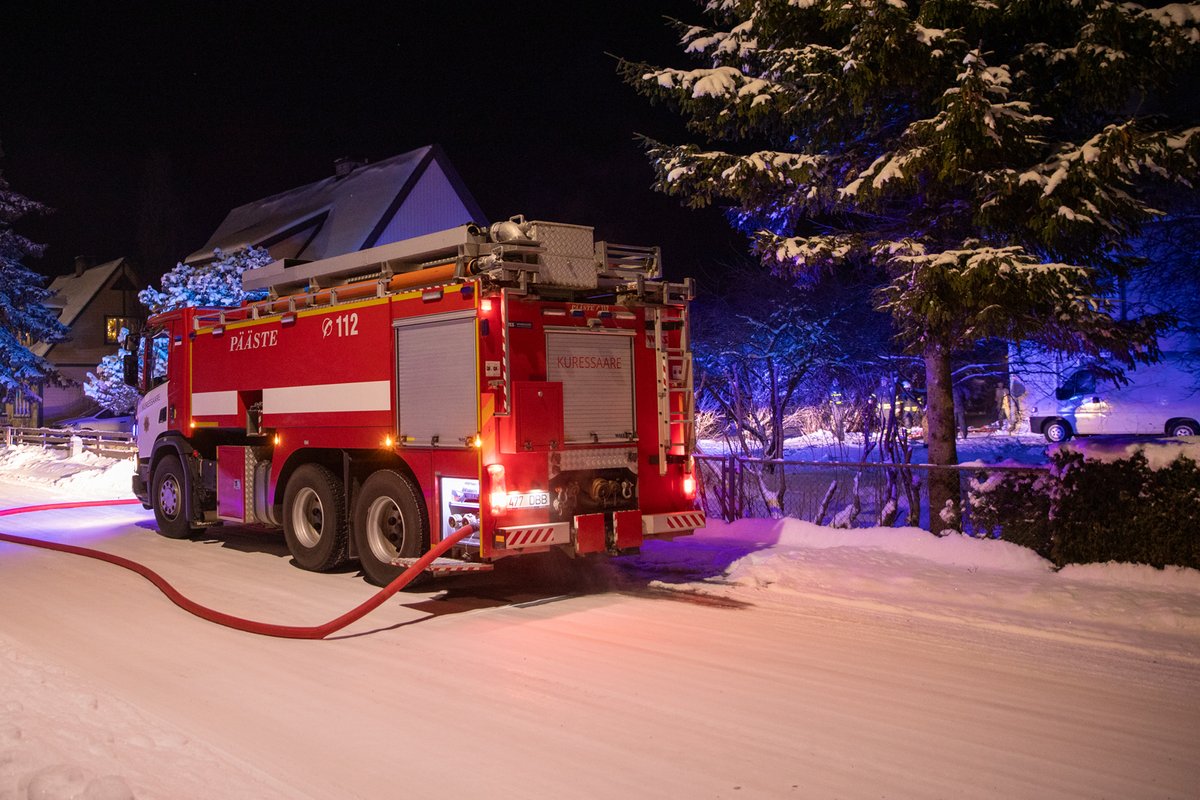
520,378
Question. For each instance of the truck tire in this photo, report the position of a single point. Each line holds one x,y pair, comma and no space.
390,521
314,518
168,497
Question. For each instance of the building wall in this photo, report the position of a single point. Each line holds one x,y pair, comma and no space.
433,205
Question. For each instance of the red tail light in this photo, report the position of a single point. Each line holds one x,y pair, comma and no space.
689,486
498,494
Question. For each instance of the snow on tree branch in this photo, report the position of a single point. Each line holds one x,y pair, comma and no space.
107,384
217,284
24,317
980,292
702,176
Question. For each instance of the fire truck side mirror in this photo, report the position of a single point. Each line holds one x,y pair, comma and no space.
129,363
129,368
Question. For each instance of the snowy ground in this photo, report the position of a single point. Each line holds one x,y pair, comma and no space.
753,660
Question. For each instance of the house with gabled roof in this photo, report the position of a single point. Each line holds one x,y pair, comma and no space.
361,205
95,303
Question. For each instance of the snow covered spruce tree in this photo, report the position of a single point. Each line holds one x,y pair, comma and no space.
216,284
986,156
24,317
107,384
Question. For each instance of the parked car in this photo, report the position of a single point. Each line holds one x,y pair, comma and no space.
1160,399
102,420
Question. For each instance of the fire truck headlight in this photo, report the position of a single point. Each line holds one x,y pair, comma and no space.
498,497
689,486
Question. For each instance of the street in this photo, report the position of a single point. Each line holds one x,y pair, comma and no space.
519,684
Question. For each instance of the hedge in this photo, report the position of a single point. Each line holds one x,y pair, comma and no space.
1122,509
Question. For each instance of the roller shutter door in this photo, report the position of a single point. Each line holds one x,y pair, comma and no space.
436,392
596,371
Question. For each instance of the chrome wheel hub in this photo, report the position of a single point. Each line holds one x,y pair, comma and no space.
168,497
385,529
308,517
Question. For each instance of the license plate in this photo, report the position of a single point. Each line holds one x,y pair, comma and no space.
528,499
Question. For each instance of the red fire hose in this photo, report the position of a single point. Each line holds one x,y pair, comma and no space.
219,617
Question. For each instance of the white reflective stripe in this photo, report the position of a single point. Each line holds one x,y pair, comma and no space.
676,521
328,397
685,520
212,404
517,536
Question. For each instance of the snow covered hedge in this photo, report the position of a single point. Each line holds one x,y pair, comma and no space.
1013,506
1129,501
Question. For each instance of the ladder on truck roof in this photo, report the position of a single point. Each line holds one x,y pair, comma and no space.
673,373
531,253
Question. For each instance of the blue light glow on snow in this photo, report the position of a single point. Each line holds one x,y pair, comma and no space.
80,525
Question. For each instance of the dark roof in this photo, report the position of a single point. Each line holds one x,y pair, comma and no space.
73,293
407,195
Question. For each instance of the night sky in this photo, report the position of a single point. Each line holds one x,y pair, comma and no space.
142,125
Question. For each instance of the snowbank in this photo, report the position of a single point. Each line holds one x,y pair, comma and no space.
84,477
956,578
1159,452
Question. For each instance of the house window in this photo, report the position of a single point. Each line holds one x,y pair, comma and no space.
113,325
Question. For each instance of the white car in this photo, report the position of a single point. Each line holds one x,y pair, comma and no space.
1160,399
102,420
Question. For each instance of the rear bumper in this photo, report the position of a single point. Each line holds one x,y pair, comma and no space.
520,537
622,531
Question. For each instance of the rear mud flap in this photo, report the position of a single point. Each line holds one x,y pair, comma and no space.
590,534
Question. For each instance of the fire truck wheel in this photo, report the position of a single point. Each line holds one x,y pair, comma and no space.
390,522
168,493
314,522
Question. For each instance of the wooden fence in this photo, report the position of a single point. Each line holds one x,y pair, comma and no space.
110,444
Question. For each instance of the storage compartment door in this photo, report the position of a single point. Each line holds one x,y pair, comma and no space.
596,371
437,397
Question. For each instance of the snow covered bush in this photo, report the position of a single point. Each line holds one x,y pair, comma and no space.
1134,506
216,284
1013,506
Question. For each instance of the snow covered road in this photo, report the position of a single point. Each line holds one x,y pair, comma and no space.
802,670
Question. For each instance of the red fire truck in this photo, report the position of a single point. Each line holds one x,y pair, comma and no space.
520,378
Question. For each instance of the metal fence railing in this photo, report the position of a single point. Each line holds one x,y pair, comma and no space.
110,444
843,494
